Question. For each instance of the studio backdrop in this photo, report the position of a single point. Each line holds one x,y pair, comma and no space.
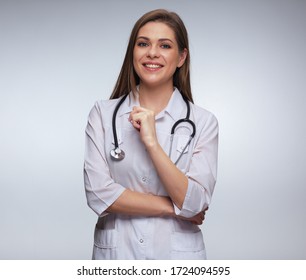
247,66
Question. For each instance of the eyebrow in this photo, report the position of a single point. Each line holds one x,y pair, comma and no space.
148,39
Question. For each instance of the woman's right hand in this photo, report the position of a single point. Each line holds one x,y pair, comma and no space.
197,219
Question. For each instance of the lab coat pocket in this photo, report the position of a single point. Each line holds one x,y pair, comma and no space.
187,246
105,238
105,244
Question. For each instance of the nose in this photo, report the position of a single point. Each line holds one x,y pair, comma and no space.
153,51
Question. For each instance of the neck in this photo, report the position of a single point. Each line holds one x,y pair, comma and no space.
155,98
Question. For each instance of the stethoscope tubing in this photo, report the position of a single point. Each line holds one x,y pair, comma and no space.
114,121
118,154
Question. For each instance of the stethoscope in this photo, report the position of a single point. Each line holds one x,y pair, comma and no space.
118,154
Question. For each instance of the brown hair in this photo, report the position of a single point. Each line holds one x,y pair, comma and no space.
128,78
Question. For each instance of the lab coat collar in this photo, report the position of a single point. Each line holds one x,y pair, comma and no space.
128,104
176,101
173,108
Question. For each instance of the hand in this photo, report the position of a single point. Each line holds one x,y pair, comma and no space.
197,219
144,121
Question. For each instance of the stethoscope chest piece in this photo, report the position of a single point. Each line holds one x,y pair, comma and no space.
117,154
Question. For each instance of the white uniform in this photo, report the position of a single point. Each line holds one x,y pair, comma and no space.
135,237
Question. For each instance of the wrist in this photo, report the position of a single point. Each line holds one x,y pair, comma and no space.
168,209
152,146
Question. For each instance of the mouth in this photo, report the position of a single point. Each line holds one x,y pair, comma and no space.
152,66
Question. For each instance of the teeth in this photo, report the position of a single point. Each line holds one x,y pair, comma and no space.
152,65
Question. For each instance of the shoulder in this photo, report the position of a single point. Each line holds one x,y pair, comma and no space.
106,105
101,112
103,107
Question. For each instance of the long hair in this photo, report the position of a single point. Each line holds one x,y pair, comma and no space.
128,78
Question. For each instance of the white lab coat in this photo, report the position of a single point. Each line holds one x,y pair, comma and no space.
128,237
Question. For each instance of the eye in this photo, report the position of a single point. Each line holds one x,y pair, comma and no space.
142,44
166,46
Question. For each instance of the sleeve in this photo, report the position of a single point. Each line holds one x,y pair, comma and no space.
202,172
101,190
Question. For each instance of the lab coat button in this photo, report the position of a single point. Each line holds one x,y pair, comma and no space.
141,240
144,179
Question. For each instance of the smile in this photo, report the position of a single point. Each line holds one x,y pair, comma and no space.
152,66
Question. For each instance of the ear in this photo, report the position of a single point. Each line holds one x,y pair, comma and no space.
182,58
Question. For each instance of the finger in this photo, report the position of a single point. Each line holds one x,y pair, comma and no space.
135,110
135,124
136,118
199,220
142,117
131,116
147,113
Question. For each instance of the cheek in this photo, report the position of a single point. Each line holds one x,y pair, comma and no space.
173,59
135,65
137,55
173,64
135,59
135,62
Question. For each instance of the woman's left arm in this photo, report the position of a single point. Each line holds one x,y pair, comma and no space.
190,192
173,179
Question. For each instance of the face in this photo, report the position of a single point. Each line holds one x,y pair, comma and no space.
156,55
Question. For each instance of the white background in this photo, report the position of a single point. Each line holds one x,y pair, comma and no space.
248,67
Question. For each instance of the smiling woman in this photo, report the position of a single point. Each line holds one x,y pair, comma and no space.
128,79
156,57
150,204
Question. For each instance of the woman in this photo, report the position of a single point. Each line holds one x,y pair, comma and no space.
151,203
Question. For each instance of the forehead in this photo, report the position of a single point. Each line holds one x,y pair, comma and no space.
156,30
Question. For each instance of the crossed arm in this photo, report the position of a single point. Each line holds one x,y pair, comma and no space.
181,191
174,181
135,203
